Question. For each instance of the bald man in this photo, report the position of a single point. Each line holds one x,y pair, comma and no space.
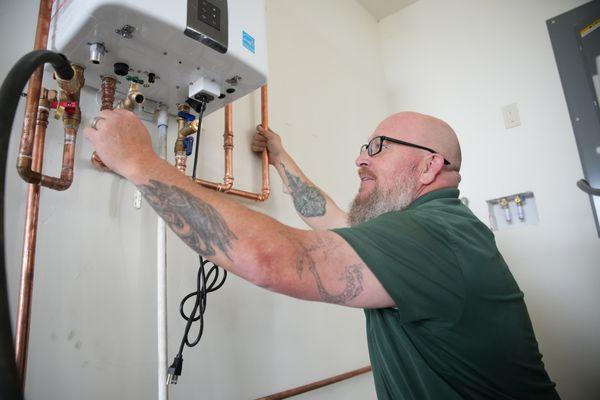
445,318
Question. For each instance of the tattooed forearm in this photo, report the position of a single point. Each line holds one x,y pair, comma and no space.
352,275
308,200
196,222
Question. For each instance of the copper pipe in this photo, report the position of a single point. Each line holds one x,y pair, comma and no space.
316,385
66,175
228,149
30,141
24,160
69,92
29,241
107,91
227,185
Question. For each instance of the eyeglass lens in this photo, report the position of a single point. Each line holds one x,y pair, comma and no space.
373,147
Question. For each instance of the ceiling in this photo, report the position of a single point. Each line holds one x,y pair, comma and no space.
382,8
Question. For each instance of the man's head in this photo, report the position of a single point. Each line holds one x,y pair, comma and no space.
400,173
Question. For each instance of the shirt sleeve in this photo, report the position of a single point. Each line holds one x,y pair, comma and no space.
414,262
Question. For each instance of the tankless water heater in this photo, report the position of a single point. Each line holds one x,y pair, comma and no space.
174,49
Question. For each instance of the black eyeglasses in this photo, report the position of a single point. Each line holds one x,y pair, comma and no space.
376,145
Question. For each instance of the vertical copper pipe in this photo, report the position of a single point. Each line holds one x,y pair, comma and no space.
264,116
24,161
228,148
29,141
108,87
107,90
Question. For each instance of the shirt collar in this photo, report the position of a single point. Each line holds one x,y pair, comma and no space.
445,193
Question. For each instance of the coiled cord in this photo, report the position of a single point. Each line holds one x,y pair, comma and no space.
202,289
205,283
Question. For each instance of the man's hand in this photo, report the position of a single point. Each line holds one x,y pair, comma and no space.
267,139
122,142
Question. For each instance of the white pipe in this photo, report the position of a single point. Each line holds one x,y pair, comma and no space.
161,269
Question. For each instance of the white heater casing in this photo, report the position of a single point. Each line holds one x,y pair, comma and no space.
159,45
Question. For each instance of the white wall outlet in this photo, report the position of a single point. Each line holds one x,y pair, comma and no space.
511,116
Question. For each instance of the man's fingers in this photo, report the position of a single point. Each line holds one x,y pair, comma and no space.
259,138
258,147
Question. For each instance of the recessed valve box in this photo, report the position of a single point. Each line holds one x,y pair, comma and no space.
513,211
174,49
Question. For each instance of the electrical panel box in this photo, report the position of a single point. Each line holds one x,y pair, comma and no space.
575,39
175,49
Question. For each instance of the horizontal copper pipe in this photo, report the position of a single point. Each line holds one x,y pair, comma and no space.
227,185
316,385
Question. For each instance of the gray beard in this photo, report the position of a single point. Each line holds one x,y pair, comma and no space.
380,201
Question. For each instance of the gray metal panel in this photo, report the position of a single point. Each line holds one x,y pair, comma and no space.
576,77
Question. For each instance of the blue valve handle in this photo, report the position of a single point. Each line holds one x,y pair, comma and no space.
187,116
188,145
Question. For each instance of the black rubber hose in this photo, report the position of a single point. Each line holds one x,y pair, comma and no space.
10,93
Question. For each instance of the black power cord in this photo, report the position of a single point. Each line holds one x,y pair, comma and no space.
10,94
206,282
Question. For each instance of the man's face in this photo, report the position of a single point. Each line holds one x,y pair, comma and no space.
388,182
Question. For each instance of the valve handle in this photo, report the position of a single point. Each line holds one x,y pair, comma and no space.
188,145
187,116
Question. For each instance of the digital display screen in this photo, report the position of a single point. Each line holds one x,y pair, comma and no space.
209,14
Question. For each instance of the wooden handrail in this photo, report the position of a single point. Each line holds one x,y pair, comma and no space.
316,385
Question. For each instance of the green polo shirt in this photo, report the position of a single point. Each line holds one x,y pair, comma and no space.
460,328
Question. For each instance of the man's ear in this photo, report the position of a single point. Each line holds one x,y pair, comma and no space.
433,166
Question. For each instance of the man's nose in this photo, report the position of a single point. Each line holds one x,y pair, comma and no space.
363,159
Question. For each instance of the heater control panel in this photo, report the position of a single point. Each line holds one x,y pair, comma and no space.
207,23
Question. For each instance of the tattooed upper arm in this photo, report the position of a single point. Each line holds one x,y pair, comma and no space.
329,270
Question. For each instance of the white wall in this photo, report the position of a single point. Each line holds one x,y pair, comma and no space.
93,330
462,61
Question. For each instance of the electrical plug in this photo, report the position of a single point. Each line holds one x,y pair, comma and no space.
174,370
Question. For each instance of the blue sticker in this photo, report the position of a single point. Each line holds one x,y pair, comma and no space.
248,41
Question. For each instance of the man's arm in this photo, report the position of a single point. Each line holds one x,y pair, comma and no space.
311,265
313,205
